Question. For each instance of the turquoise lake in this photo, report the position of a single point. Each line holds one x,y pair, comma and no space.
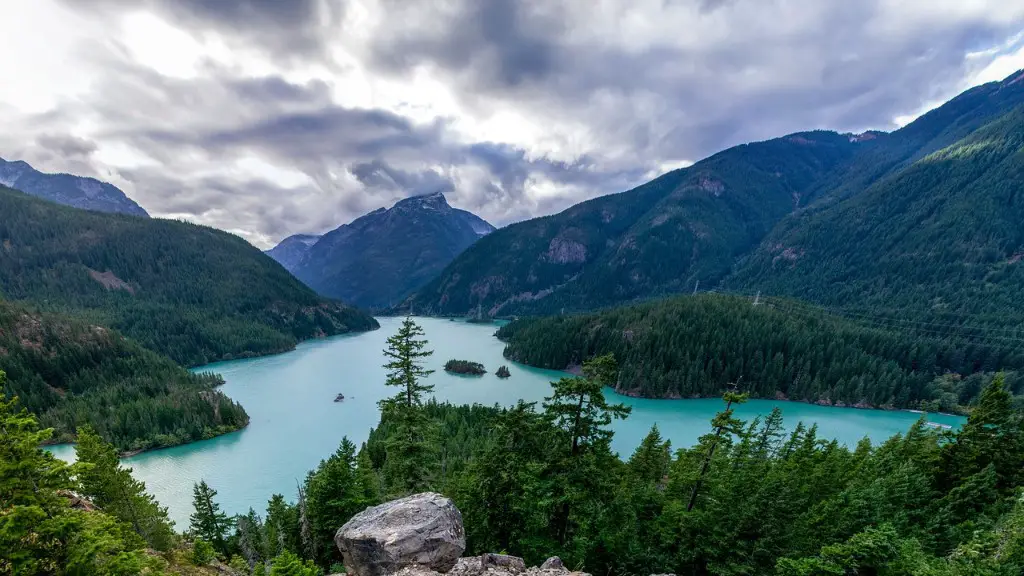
295,422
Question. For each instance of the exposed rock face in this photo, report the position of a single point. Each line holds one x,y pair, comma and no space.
553,563
77,191
423,530
496,565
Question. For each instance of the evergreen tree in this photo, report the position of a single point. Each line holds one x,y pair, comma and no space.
333,494
579,411
410,463
288,564
207,521
40,533
112,487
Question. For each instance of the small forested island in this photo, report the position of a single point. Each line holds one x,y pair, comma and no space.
503,372
465,367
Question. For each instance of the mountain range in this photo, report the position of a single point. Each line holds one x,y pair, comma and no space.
77,191
380,258
923,220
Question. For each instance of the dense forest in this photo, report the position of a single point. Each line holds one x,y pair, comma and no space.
937,243
759,497
73,373
690,346
920,225
193,293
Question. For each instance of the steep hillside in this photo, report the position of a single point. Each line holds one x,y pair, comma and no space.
72,373
683,227
697,346
290,251
940,239
695,226
77,191
193,293
379,258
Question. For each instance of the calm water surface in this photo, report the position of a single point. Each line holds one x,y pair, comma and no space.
295,422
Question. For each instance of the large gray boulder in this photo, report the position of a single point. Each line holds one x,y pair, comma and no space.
422,530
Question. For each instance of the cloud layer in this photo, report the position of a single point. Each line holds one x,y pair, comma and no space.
269,118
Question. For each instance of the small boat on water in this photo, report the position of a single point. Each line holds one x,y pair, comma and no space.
938,425
339,397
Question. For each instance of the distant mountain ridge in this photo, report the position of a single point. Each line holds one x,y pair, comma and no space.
77,191
379,258
837,219
193,293
290,251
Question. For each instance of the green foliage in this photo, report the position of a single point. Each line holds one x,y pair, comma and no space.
288,564
685,226
72,373
40,531
112,487
202,552
333,492
933,246
207,522
691,346
465,367
410,449
190,292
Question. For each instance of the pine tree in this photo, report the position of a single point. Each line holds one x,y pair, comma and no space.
207,521
40,533
410,449
112,487
288,564
332,496
578,409
722,422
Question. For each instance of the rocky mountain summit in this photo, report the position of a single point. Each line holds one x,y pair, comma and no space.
423,535
381,257
67,189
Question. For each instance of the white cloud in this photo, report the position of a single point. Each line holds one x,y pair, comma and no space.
268,118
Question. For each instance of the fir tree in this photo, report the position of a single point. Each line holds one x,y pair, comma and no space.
207,521
410,449
112,487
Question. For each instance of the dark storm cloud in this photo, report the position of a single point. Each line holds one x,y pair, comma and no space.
66,145
620,90
379,174
689,100
283,28
502,42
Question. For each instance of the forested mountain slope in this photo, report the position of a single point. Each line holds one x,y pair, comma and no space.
193,293
698,345
940,240
700,223
72,373
77,191
379,258
686,226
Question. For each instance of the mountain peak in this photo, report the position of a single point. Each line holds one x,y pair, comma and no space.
68,189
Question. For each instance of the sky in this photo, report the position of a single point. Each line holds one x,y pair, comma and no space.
268,118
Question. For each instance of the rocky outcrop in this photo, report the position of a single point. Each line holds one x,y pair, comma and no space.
423,530
496,565
422,535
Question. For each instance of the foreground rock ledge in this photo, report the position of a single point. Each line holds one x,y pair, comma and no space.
422,530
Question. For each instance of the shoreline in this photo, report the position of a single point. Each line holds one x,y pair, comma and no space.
137,451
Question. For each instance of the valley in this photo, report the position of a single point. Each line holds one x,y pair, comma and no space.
295,423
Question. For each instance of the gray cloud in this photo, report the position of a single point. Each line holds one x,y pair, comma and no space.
281,28
617,91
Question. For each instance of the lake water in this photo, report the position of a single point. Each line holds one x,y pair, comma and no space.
295,422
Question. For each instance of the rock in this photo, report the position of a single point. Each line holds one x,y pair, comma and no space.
512,564
553,563
422,530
